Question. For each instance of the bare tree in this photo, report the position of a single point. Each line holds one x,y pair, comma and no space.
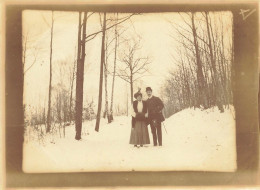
50,81
200,75
72,78
28,50
119,21
213,63
134,65
106,74
101,72
108,52
80,75
80,67
114,73
203,61
62,99
105,57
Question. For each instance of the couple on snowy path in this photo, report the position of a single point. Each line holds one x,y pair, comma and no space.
146,113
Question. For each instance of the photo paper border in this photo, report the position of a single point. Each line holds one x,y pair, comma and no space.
245,89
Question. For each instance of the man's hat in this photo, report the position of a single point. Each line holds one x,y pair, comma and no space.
148,89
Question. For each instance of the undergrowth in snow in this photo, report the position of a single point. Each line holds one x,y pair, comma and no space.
196,140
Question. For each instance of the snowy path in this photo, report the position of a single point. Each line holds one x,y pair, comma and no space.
196,140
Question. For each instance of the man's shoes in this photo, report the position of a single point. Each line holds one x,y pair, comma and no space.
135,145
141,145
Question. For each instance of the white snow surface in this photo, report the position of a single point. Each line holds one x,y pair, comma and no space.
196,140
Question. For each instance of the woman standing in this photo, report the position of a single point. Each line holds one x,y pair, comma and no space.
139,132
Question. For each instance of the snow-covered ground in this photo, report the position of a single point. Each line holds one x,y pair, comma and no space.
196,141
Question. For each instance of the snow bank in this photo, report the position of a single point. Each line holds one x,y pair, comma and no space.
195,141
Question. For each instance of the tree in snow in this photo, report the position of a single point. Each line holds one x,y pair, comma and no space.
88,111
105,28
203,59
134,64
50,81
80,74
101,72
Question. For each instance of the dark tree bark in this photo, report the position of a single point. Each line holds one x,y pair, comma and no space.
50,82
213,64
131,88
105,76
126,101
204,71
114,75
71,91
78,118
80,77
200,76
101,73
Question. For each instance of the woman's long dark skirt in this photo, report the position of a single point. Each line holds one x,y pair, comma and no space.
139,134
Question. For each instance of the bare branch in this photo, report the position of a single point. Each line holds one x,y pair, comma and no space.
96,33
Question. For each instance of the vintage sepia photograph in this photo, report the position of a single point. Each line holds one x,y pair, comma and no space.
128,91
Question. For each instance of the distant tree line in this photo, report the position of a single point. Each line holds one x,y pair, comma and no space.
203,59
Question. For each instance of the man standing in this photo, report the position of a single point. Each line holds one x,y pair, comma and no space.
155,117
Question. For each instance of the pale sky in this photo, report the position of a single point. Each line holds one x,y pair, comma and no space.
156,42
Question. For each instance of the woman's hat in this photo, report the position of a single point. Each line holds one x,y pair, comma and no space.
137,94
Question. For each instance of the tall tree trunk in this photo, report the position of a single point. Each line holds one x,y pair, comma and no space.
80,76
114,75
224,69
50,82
77,103
213,64
126,101
23,64
200,76
105,75
131,88
101,73
71,91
